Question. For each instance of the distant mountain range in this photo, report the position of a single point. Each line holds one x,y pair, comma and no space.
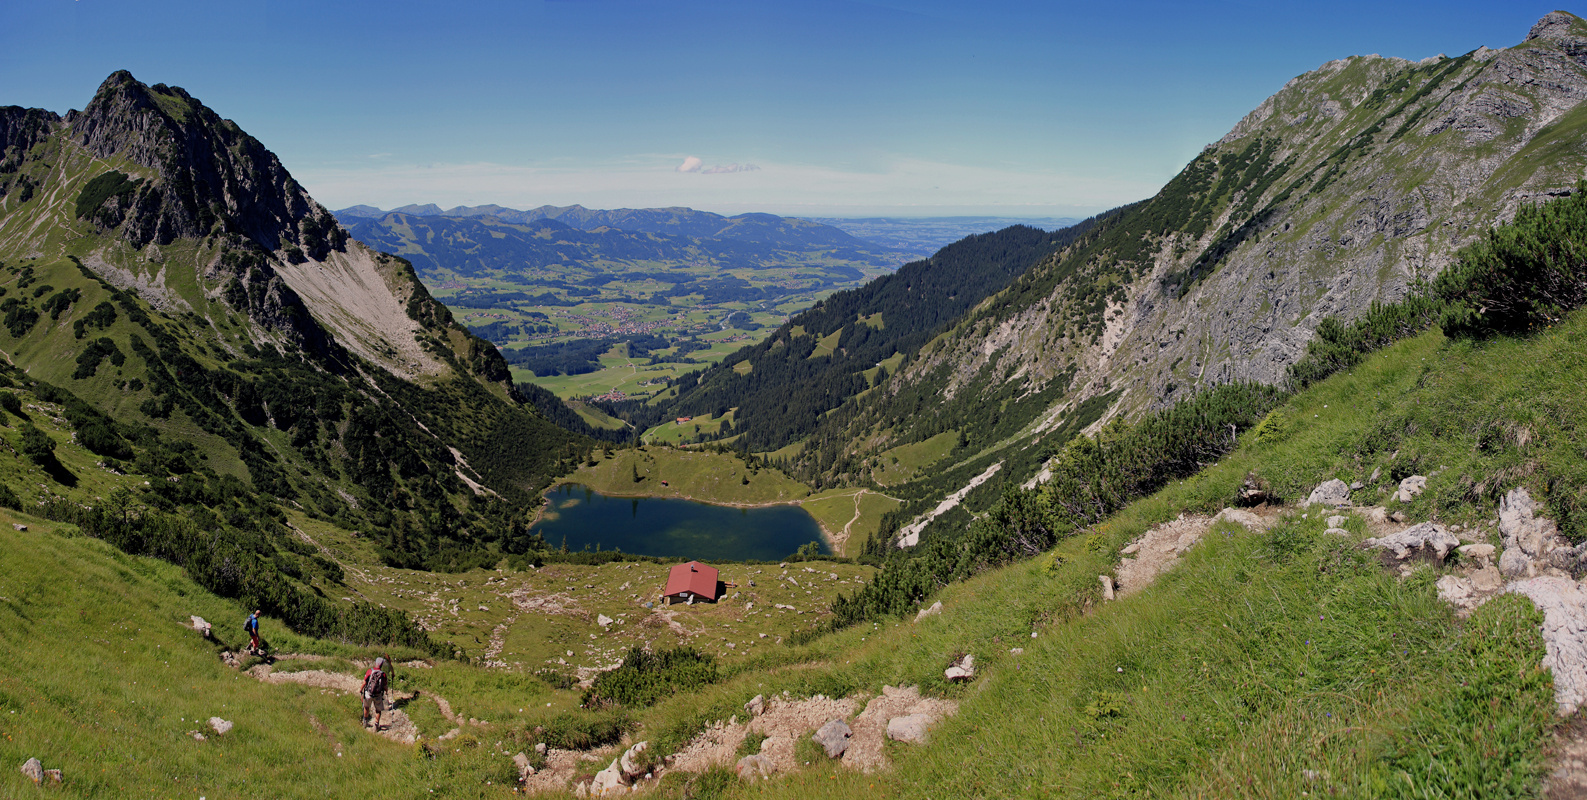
929,234
769,230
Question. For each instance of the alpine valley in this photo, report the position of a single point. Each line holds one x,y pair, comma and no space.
1270,485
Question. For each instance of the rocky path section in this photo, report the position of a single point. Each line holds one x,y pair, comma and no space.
1158,550
395,725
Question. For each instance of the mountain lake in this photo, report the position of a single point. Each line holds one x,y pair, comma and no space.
581,518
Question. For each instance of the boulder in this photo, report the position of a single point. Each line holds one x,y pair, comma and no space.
935,609
911,728
1428,540
33,769
222,727
609,781
1334,493
632,764
755,766
834,737
1107,586
1410,488
201,626
757,705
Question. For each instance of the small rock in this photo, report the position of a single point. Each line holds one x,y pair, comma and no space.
1397,516
221,726
609,781
1107,586
525,769
631,764
1356,486
1410,488
540,748
1016,651
963,669
33,769
1239,516
755,766
1337,532
1336,521
200,625
756,706
1480,553
834,737
935,609
1334,493
603,620
1377,472
1487,579
911,728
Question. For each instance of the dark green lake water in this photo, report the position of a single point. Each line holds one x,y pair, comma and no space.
660,526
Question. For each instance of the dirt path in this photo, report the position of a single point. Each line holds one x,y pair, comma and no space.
394,724
1158,550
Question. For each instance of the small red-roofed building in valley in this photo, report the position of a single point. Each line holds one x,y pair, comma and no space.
690,582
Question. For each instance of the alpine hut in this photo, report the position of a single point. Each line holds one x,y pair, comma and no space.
690,582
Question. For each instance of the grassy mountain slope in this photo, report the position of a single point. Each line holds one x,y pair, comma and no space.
223,352
1258,658
1343,189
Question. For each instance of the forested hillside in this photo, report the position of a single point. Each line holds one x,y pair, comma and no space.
849,342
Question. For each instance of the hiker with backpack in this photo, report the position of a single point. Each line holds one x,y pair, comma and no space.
374,692
252,627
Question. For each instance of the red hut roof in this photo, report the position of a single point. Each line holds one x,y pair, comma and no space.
692,577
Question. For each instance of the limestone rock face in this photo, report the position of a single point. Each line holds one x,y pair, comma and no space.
1533,544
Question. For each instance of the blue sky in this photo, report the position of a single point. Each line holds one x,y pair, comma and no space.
820,108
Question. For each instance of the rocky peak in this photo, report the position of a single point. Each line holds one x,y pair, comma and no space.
1558,26
209,176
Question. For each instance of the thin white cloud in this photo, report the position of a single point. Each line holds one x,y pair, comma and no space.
651,182
728,168
690,164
